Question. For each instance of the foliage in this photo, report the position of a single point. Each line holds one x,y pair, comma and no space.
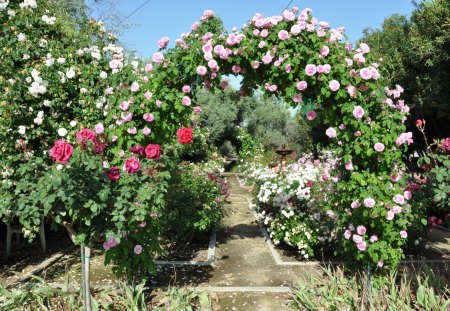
194,200
333,290
42,296
185,299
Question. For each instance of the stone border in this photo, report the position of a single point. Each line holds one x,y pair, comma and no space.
280,262
246,289
210,259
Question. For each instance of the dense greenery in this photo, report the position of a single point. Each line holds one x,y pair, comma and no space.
415,52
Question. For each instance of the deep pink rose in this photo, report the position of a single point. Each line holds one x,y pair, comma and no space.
84,135
132,165
137,150
61,151
153,151
114,173
185,135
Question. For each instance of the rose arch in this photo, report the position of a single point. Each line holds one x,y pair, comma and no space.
306,63
301,60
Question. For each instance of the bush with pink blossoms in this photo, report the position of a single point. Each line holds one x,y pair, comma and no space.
435,177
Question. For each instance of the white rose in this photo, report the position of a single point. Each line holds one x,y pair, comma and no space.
61,60
47,103
103,75
3,5
73,123
62,132
22,129
21,37
70,73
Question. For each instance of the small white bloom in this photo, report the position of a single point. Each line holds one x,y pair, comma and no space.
47,103
21,37
73,123
11,13
59,167
70,73
103,75
62,132
22,129
83,90
3,5
61,60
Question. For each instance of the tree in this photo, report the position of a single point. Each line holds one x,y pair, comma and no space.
416,54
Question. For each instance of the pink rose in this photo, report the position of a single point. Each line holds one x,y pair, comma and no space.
369,202
197,109
146,131
148,67
132,165
403,234
379,147
390,215
396,209
186,101
296,29
158,57
407,194
355,204
153,151
366,73
61,151
347,234
264,33
334,85
163,42
373,239
310,70
148,95
201,70
361,246
137,249
134,87
236,69
330,132
399,199
302,85
148,117
186,89
358,112
325,50
361,230
99,128
283,35
357,238
311,115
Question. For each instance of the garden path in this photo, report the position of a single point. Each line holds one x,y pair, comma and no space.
244,275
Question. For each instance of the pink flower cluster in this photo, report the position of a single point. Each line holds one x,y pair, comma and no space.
110,243
404,138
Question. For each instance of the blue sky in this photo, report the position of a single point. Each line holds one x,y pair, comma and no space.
172,17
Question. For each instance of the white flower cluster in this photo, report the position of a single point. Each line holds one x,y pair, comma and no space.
3,4
28,4
49,20
38,86
93,51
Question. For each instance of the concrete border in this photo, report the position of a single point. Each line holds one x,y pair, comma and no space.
247,289
209,261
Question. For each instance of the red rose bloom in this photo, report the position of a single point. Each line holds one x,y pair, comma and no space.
419,122
153,151
132,165
185,135
114,173
137,150
61,151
